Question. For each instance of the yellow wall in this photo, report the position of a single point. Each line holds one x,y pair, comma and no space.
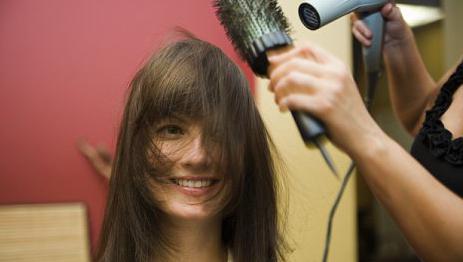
310,185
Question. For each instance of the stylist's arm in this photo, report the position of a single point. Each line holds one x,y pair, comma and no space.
311,79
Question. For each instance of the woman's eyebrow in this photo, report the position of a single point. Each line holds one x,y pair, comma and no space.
178,117
173,118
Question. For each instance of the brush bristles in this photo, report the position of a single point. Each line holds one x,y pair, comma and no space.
247,20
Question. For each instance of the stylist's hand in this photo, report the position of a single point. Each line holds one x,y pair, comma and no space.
99,157
308,78
396,31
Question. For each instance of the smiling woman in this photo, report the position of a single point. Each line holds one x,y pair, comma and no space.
191,188
193,177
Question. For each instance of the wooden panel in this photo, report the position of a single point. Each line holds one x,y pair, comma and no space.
44,232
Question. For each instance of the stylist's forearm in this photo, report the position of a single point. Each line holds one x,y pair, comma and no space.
409,80
430,216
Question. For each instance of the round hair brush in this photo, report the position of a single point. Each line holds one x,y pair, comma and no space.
256,27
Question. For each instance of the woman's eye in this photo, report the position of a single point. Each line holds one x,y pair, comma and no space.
170,132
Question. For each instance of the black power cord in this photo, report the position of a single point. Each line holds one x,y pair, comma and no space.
345,181
372,82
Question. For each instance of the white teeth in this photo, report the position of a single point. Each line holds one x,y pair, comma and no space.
193,183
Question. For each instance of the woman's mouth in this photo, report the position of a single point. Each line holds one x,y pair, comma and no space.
197,183
196,187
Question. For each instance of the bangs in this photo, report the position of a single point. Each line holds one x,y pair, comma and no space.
193,84
197,82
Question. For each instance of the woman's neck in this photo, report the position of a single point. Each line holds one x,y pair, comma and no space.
196,240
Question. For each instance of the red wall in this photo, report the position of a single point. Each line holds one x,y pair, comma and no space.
64,71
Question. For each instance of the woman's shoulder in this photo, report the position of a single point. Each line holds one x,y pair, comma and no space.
434,134
455,71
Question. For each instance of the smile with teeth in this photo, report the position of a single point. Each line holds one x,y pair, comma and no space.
194,183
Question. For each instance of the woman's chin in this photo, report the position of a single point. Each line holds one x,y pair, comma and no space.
192,212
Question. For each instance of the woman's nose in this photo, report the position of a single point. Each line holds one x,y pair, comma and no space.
196,156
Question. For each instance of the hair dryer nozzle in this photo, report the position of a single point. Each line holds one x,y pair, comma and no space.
309,16
317,13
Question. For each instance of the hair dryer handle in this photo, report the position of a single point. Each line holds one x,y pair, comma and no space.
372,54
310,128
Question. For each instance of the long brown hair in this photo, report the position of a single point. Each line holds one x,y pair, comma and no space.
197,80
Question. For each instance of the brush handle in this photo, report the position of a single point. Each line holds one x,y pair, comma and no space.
310,128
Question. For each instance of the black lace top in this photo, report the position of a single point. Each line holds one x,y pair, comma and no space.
434,147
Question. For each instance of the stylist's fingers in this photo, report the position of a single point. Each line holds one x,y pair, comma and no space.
307,66
362,33
391,12
86,149
305,50
360,30
301,102
296,83
104,154
99,158
277,58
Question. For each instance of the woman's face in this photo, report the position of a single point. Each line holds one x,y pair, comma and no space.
192,189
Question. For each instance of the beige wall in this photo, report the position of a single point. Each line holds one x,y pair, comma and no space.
311,186
452,30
